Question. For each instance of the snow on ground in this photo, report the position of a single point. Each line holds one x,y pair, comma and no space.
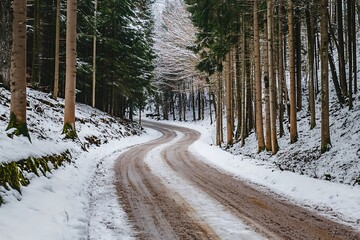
328,198
77,201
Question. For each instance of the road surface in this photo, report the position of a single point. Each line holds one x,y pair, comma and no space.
159,212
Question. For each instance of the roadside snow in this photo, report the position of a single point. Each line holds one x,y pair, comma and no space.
78,201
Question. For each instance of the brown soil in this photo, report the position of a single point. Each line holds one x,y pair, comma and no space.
159,213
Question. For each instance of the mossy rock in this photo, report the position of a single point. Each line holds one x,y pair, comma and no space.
12,174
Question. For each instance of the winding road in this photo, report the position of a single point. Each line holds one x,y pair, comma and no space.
160,212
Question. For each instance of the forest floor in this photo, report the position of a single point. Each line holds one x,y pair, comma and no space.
81,199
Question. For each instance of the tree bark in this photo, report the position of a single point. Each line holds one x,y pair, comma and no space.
310,22
70,88
267,92
228,90
258,85
219,111
281,79
325,128
18,71
293,118
341,54
57,51
272,80
35,71
350,49
298,59
6,19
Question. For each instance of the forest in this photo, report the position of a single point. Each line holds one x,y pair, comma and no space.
258,64
251,65
102,53
179,119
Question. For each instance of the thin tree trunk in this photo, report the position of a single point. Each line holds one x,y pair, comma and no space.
272,80
94,58
354,44
219,111
6,18
341,55
325,128
228,99
258,85
35,71
69,116
293,118
238,92
243,92
193,100
267,93
57,51
199,102
335,78
281,79
310,22
350,50
298,60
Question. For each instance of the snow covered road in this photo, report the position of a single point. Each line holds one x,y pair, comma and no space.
170,193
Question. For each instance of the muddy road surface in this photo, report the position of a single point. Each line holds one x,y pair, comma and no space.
159,212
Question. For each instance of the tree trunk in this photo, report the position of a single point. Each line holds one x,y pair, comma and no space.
293,118
193,100
298,60
353,30
219,111
258,85
35,71
57,51
70,89
267,93
341,54
199,102
18,71
281,79
310,22
228,90
272,80
325,128
350,49
6,19
94,58
243,90
238,92
335,78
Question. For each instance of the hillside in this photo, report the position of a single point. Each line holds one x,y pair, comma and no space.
45,121
340,164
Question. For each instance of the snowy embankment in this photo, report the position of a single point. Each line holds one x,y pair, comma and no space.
78,200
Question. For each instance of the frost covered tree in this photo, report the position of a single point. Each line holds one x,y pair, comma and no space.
175,71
